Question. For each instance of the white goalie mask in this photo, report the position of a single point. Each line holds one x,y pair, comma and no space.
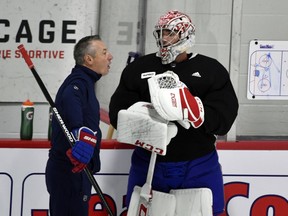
179,25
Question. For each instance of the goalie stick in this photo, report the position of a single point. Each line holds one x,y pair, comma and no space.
144,203
67,133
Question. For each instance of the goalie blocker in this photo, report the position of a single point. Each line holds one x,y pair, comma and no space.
142,126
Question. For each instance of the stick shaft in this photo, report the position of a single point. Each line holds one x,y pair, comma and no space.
146,190
151,168
62,123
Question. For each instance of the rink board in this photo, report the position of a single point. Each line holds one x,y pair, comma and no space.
255,180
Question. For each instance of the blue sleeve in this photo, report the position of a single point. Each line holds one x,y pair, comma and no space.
73,100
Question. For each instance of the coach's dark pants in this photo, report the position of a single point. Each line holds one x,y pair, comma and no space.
69,192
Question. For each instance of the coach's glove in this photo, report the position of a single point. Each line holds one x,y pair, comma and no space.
174,102
142,126
78,166
81,153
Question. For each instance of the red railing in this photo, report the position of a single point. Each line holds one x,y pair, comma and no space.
113,144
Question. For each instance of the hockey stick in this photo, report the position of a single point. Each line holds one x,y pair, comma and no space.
146,190
67,133
144,201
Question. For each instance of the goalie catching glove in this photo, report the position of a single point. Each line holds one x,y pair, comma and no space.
142,126
81,153
173,100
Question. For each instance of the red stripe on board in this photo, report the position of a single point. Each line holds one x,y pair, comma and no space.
43,143
113,144
17,143
253,145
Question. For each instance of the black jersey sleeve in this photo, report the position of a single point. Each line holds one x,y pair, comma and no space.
124,96
221,103
133,85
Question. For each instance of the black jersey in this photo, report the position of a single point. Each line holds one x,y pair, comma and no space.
206,78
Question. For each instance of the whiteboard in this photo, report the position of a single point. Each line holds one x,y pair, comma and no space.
49,31
268,70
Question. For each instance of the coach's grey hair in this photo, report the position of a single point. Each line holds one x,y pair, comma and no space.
83,47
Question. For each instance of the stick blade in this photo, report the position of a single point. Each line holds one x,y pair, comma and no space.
161,204
138,205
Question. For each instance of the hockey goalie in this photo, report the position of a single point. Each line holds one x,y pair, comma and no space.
187,101
142,126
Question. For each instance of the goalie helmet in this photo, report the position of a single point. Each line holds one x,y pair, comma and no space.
180,27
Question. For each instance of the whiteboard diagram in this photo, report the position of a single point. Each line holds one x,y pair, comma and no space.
268,70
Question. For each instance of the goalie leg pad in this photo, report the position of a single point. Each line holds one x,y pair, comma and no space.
162,204
134,202
193,202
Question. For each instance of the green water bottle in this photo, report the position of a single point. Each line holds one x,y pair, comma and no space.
49,123
27,114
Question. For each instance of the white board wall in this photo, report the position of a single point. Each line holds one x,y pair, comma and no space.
48,30
259,19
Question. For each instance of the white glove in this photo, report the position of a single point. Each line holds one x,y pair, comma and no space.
142,126
174,102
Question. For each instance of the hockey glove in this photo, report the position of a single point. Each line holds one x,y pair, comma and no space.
84,145
78,166
174,102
